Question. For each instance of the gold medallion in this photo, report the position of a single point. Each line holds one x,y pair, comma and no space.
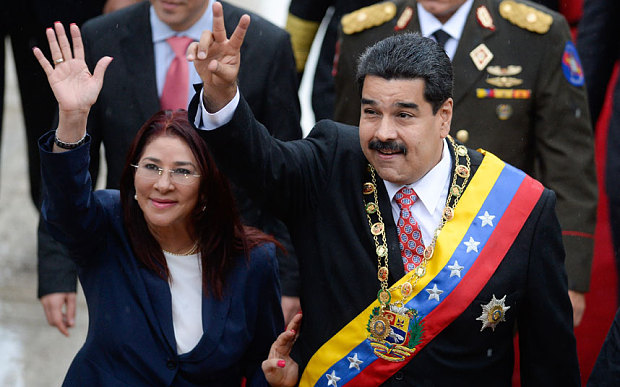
384,297
382,250
420,271
368,188
383,273
428,252
448,213
377,228
406,289
504,111
461,151
455,190
379,327
462,171
371,208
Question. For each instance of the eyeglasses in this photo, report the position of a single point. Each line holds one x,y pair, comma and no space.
150,171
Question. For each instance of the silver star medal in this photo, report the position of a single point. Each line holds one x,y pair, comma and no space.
354,362
332,379
487,219
472,245
434,293
493,313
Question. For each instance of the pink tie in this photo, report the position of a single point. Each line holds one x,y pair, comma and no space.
174,94
409,234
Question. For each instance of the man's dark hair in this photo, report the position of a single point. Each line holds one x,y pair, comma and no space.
410,56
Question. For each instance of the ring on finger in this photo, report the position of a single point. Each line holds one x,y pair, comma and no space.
59,60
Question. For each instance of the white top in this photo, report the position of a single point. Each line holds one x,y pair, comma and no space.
186,292
163,52
454,26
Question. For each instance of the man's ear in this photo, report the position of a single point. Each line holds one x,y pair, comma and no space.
445,115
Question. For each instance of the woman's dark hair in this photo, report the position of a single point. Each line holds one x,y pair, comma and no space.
221,235
410,56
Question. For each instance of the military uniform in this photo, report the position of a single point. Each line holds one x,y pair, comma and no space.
518,92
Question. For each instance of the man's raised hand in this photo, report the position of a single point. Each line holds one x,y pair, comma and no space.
217,59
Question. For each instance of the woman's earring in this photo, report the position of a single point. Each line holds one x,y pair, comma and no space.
135,197
204,208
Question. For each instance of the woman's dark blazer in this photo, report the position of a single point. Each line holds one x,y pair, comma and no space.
130,339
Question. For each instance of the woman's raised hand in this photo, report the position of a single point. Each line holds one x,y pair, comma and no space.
217,59
74,87
280,369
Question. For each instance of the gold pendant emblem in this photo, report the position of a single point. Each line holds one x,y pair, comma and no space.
382,274
377,228
368,188
394,332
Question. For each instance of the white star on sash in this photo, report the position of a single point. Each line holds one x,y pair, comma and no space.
487,219
471,245
333,379
354,362
455,270
434,293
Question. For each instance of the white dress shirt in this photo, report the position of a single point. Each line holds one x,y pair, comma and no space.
164,54
454,26
432,191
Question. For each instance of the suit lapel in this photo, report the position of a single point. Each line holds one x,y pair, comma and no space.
160,299
466,74
140,61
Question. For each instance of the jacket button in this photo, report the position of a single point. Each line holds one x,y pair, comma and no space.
399,376
171,364
462,136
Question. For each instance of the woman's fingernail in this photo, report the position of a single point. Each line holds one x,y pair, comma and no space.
281,363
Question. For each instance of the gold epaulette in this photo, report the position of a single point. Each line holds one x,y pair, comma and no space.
302,35
368,17
525,16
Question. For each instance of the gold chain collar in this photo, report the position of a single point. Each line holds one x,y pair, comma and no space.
377,228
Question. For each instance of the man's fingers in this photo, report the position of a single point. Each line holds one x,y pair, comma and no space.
219,29
55,317
45,64
70,308
192,50
206,39
63,41
236,40
76,38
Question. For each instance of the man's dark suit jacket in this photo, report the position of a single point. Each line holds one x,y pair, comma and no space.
131,339
129,97
547,135
317,185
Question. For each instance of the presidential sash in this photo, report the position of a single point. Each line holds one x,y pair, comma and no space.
487,219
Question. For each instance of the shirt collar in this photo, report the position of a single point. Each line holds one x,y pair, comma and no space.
430,186
454,26
161,31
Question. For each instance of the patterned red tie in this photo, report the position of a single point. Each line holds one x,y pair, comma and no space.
174,94
409,234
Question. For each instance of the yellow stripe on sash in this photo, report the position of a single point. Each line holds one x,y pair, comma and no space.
452,234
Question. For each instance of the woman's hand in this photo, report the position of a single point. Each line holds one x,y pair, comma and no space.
217,59
280,369
74,87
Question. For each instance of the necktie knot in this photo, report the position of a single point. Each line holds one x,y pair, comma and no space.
405,197
179,45
441,37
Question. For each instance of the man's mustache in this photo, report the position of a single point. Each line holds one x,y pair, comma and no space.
392,146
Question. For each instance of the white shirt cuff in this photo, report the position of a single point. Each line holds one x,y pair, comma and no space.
209,121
